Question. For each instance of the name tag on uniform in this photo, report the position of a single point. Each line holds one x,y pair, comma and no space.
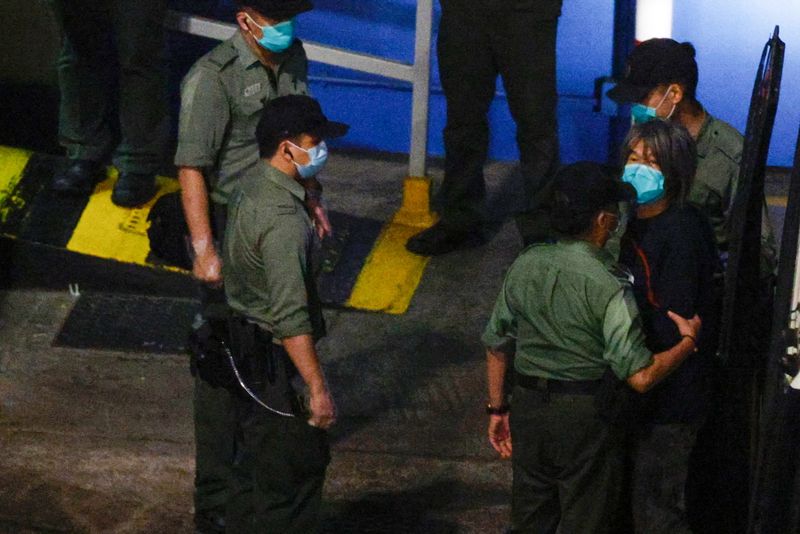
252,89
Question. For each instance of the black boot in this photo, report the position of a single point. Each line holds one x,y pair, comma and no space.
442,238
133,189
80,176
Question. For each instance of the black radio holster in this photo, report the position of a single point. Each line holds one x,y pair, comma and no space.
263,367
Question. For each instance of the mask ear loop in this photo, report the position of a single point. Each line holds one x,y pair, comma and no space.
666,94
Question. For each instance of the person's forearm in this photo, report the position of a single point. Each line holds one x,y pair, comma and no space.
663,364
304,356
194,196
496,364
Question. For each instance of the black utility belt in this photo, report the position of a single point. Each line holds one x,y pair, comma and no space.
568,387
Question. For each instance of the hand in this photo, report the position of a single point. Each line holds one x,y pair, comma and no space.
500,434
323,410
687,328
207,267
320,216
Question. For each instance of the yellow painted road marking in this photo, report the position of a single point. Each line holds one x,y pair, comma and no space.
778,201
12,165
108,231
390,274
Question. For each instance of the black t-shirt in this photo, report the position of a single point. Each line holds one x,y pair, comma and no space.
673,259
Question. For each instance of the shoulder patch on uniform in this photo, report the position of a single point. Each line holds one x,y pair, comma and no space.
726,139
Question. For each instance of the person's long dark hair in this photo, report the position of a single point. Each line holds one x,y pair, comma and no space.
673,149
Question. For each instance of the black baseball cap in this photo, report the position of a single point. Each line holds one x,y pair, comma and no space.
587,187
292,115
655,62
277,9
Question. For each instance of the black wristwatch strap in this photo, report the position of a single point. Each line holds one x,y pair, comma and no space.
497,410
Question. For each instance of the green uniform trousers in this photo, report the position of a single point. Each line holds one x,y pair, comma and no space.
567,464
113,82
473,50
278,473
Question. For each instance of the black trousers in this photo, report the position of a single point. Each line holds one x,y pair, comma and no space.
113,82
473,49
215,419
279,466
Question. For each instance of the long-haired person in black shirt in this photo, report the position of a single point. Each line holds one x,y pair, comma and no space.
669,247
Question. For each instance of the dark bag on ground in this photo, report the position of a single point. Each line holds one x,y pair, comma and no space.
616,402
168,231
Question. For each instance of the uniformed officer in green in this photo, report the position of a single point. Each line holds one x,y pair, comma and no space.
222,98
113,95
269,281
661,81
567,315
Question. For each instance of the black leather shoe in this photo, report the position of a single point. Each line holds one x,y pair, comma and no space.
133,189
441,239
209,523
80,176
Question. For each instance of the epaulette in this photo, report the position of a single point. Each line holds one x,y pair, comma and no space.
222,55
621,273
726,139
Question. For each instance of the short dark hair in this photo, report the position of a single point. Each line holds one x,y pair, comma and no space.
673,149
269,141
581,191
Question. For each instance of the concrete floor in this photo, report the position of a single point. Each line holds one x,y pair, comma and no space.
101,441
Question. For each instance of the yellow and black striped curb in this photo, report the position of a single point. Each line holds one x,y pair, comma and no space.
371,269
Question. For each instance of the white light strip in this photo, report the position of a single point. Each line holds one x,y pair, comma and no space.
214,29
653,19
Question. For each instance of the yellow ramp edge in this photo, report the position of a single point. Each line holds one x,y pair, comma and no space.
391,274
12,165
777,201
111,232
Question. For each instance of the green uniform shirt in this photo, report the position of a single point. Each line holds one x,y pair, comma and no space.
221,101
719,154
570,313
266,257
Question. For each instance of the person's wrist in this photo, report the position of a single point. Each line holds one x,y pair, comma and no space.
202,247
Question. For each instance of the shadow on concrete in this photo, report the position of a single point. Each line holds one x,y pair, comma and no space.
391,381
408,511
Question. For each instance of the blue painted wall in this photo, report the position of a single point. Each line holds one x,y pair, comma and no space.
729,36
379,109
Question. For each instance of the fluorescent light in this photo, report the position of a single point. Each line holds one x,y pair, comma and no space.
653,19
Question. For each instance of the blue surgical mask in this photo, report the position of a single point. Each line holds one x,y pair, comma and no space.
318,155
648,182
641,113
275,38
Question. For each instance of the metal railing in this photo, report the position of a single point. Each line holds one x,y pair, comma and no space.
418,73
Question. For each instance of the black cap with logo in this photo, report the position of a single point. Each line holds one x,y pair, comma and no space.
291,115
277,9
655,62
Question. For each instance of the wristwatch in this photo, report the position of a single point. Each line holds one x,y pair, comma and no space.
497,410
